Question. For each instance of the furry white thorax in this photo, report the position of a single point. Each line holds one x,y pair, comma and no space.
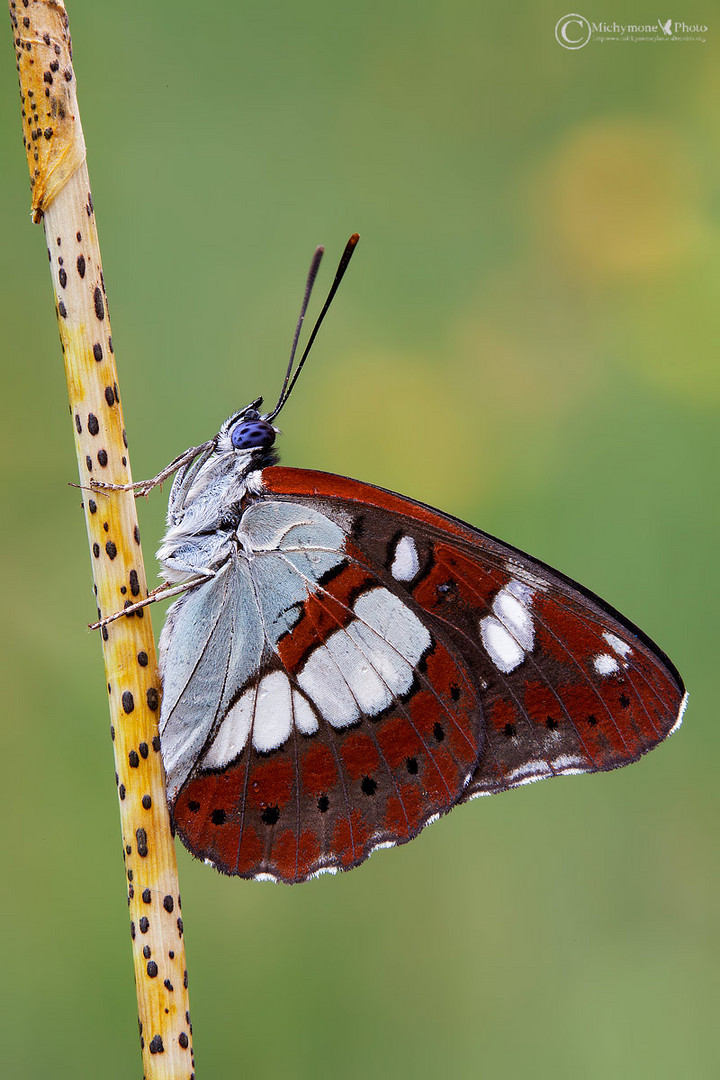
203,505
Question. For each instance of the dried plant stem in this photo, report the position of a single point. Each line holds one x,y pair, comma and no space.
61,199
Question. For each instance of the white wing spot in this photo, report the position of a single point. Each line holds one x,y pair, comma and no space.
618,646
389,617
362,668
305,719
272,722
392,668
605,664
406,563
509,634
324,870
232,733
267,710
568,764
681,710
372,694
325,686
515,617
528,772
502,648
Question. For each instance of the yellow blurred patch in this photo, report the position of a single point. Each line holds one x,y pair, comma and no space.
620,199
484,415
672,331
524,383
388,416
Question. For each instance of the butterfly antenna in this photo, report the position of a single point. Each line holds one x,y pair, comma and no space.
289,383
312,274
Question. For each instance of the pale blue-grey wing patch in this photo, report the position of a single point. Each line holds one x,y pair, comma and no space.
305,541
217,636
281,585
211,644
282,526
248,640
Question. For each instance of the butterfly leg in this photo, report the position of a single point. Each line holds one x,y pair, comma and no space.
162,592
144,487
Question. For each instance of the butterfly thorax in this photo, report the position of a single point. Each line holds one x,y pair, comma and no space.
206,503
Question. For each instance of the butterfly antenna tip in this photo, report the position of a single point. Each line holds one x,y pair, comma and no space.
289,382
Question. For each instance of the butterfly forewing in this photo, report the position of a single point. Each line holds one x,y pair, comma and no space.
378,663
564,683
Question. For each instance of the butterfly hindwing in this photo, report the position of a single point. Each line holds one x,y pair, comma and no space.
357,724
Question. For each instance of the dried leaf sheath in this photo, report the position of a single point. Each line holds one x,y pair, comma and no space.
61,198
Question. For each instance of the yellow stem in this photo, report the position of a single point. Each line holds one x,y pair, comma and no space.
62,200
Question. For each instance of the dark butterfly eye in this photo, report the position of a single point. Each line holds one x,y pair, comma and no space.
251,433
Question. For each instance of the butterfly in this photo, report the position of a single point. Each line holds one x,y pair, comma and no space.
344,664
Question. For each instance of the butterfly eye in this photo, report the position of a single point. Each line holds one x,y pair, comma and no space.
252,433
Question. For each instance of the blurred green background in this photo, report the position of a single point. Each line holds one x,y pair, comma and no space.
538,272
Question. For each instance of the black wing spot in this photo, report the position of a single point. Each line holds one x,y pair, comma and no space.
455,692
270,815
323,804
624,701
392,545
218,817
551,723
193,806
439,732
510,730
411,764
368,785
447,592
358,527
592,720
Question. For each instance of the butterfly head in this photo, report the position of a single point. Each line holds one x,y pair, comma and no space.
247,434
252,431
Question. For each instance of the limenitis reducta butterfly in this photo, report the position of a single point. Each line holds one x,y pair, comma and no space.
346,664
